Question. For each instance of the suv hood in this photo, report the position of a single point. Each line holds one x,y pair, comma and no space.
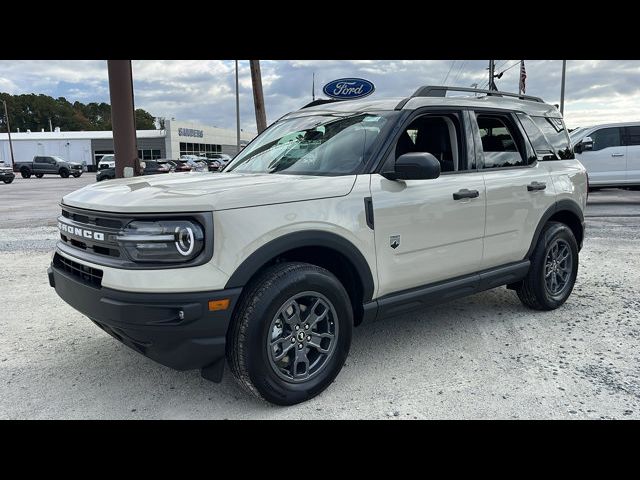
195,191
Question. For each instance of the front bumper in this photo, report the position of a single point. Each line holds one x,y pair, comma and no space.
151,323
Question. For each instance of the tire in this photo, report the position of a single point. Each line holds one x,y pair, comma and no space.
64,173
268,300
8,181
76,175
25,172
534,290
39,175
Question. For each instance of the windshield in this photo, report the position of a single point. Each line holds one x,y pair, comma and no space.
328,144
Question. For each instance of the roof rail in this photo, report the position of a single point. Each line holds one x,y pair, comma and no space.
320,102
441,91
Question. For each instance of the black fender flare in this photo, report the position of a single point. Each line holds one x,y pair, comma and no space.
309,238
561,205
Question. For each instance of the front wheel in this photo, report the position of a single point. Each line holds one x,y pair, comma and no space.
64,173
8,181
291,333
39,175
76,175
553,271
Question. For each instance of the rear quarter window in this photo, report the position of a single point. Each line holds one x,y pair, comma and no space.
555,132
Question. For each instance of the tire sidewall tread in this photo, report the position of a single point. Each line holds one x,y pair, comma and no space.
246,352
532,291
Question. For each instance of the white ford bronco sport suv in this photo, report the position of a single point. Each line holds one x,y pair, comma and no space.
337,214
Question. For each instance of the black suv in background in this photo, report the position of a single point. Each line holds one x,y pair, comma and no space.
6,174
151,167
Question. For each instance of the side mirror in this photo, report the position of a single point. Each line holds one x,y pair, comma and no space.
585,144
414,166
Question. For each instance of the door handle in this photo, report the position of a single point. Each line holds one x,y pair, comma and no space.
617,154
464,193
533,186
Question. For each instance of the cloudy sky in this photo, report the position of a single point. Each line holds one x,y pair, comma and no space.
203,90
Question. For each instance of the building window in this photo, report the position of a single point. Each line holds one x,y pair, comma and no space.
199,149
149,154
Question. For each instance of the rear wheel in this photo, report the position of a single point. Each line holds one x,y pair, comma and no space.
64,173
553,271
25,172
39,175
291,333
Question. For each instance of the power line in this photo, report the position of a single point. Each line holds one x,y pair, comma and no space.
502,65
445,78
509,68
459,71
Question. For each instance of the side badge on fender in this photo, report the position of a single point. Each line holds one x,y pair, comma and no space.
394,241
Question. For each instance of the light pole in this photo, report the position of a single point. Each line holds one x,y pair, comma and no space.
237,110
6,116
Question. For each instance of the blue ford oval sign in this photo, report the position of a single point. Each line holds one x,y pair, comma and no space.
348,88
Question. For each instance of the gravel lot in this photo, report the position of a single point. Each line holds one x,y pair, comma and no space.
484,356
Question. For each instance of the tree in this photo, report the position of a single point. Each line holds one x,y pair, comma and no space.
33,112
144,120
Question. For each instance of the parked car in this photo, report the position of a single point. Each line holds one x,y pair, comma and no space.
338,214
181,165
106,173
45,165
195,163
610,153
217,161
152,167
6,173
107,161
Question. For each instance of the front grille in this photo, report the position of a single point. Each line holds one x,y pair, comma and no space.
92,236
88,275
108,225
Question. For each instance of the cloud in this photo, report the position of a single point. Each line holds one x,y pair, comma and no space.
204,90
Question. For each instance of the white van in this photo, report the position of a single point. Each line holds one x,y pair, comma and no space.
610,153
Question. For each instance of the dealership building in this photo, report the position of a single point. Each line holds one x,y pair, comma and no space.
178,138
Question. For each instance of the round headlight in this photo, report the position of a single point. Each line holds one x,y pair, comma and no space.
185,240
163,241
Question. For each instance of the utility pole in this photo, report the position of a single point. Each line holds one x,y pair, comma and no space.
564,71
237,110
6,117
313,87
258,97
492,67
123,118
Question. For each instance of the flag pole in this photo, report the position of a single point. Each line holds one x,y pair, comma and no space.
564,71
520,78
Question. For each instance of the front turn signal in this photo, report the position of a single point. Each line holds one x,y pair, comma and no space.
215,305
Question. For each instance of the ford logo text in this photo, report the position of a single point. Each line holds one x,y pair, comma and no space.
348,88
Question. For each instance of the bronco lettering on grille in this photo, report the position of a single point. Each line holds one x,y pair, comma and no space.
80,232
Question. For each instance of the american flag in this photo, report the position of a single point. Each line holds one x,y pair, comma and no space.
523,78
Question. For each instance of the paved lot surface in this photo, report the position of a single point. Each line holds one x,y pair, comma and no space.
484,356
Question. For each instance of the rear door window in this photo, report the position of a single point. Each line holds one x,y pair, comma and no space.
500,141
632,136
